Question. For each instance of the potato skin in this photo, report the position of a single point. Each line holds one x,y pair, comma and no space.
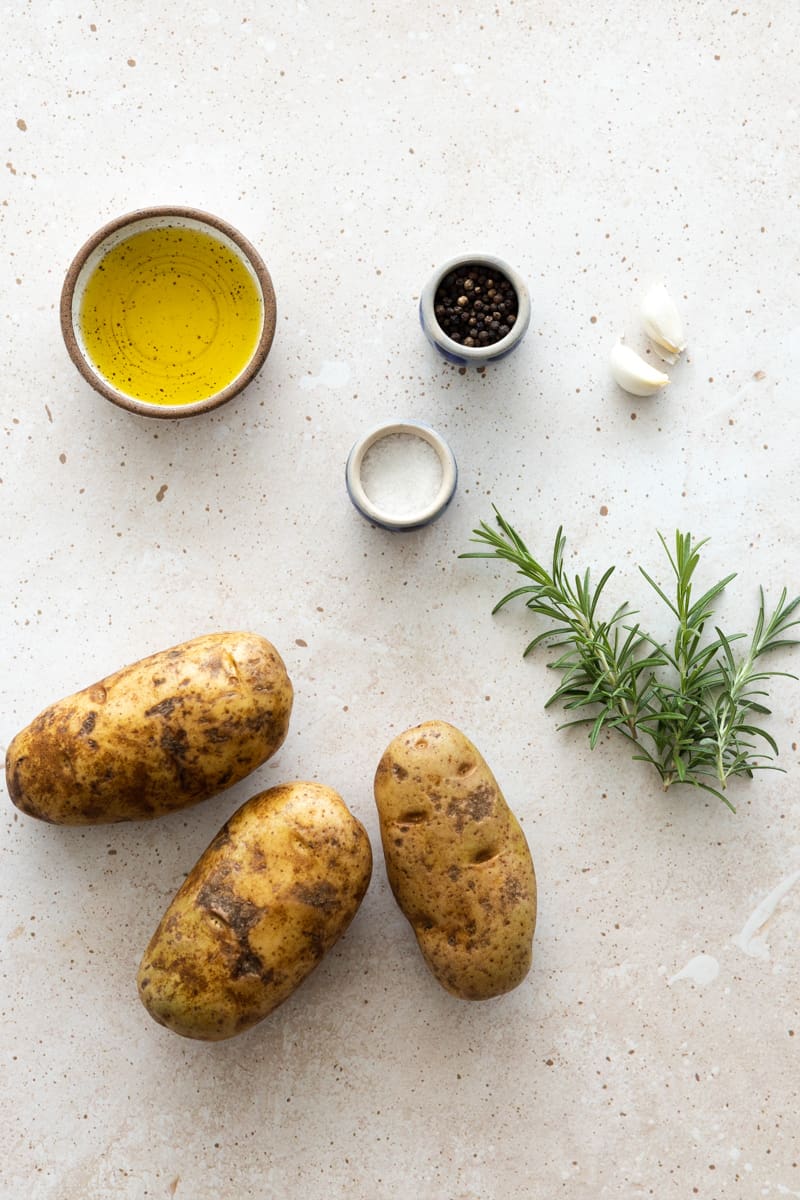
277,887
166,732
457,861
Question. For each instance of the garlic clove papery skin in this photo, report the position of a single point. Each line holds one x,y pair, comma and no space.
662,321
633,374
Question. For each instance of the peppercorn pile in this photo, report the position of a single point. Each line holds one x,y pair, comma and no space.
475,305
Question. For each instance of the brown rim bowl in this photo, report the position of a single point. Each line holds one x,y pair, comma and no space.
116,231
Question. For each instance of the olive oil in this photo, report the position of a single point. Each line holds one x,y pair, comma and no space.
171,315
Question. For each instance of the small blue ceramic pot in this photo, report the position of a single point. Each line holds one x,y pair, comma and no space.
474,356
410,517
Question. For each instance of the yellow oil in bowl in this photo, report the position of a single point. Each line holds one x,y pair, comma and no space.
171,315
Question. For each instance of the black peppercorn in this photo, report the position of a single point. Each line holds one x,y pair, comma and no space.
470,301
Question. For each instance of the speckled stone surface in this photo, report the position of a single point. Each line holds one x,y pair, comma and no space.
654,1049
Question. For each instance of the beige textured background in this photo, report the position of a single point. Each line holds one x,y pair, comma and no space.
597,148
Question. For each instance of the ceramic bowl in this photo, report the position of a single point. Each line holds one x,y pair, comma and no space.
475,356
207,285
399,485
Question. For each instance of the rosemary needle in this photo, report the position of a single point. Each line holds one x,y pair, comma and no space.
688,705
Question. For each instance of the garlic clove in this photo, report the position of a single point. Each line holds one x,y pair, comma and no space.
634,374
666,355
662,321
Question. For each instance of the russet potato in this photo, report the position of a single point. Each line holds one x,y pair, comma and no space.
161,734
457,861
277,887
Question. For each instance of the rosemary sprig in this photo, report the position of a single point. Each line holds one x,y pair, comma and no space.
688,705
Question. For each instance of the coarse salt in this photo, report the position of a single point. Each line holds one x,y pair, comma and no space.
401,474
